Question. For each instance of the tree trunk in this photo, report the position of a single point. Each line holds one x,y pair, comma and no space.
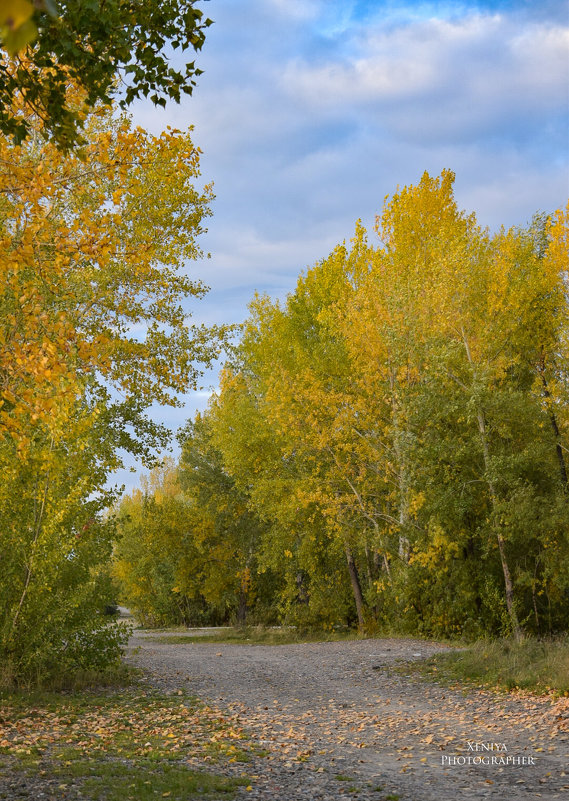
38,520
356,587
369,566
242,608
402,475
302,596
377,558
556,432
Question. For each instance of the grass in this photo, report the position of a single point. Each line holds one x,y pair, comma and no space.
531,665
257,635
119,745
116,676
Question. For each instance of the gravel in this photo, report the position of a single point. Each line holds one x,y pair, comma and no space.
334,720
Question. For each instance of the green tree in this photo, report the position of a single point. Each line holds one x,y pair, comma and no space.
189,543
456,322
407,405
106,48
229,539
291,438
56,544
150,550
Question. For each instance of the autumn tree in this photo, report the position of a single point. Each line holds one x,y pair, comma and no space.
389,444
56,545
93,276
189,544
289,419
453,318
408,403
226,570
93,330
152,523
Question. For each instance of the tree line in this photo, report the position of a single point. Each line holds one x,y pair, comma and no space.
388,447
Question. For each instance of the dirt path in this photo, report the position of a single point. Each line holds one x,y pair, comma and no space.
335,721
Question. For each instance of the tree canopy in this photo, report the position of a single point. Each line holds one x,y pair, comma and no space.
111,49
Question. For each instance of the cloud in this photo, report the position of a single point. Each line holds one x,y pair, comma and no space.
438,80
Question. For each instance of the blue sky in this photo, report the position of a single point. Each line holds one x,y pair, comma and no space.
309,112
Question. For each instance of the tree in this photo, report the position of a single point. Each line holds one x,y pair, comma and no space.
296,548
285,427
56,544
407,405
189,544
99,46
93,330
95,247
152,524
229,537
459,322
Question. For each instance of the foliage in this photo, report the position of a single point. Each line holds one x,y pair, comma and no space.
92,331
55,544
224,567
257,635
92,44
406,408
398,427
187,552
297,546
92,279
149,550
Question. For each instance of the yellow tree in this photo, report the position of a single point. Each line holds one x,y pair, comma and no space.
449,313
93,329
302,379
93,270
552,362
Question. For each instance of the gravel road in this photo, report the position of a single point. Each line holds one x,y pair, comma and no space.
334,720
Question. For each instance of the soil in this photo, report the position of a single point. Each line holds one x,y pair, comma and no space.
334,719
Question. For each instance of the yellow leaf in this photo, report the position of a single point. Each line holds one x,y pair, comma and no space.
14,13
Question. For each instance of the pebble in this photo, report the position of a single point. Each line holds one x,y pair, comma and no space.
323,699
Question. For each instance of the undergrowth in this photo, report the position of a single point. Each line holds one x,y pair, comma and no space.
257,635
540,666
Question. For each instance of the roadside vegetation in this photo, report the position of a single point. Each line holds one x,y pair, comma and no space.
257,635
388,446
537,666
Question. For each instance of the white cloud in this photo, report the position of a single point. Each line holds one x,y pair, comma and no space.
441,77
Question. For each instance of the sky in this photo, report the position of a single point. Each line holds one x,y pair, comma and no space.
310,112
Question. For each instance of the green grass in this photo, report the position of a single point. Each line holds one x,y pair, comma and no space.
531,665
121,744
118,675
257,635
114,780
